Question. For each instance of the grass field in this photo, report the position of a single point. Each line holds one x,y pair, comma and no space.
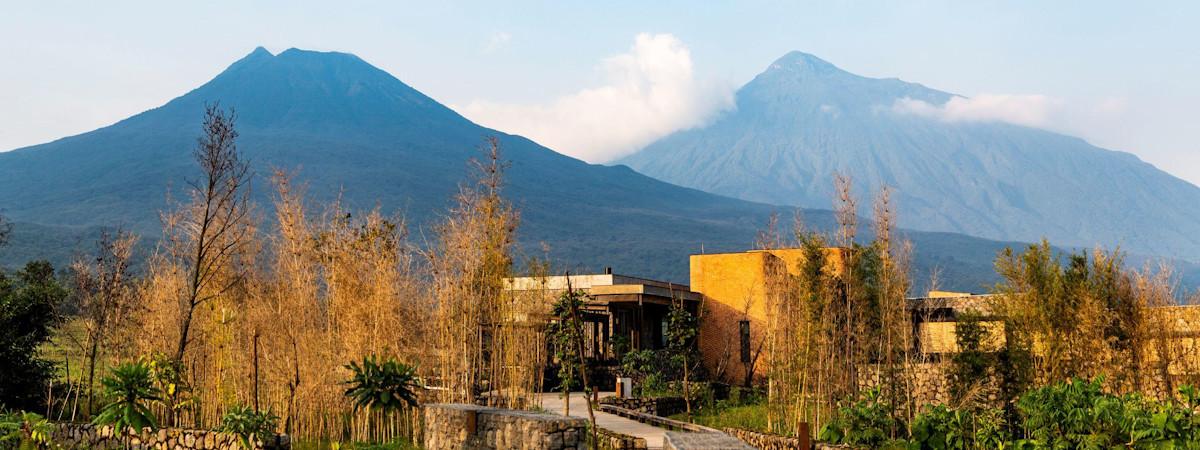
65,350
749,417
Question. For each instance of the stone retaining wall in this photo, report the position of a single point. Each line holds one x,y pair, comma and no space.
766,441
658,421
612,440
929,383
684,440
88,436
663,406
471,427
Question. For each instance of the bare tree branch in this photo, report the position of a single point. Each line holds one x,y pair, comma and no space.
216,224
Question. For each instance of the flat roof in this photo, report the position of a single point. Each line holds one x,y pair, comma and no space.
977,302
607,284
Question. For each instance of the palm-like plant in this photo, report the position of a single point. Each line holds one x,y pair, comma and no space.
249,425
129,387
385,386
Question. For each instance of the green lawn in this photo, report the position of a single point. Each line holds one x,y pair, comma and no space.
749,417
65,350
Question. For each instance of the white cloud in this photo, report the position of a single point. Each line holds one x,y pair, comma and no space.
649,92
1029,110
1103,122
497,41
1091,119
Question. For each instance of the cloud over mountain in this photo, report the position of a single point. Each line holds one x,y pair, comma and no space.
649,92
1092,120
1028,110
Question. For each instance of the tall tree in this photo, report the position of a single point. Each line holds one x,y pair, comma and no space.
210,233
682,328
104,294
472,257
27,313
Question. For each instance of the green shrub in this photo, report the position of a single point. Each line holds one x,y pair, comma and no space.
24,430
564,336
1079,414
249,425
740,396
651,371
702,393
865,422
129,387
28,300
939,428
970,368
385,386
175,393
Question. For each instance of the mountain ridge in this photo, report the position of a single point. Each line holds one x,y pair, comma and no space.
362,135
803,119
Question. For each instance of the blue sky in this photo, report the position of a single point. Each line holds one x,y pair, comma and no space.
1122,75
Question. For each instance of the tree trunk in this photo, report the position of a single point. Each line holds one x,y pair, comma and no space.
578,325
687,389
91,372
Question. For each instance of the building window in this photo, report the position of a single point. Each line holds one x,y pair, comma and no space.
744,333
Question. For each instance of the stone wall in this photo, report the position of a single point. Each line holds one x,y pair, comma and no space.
88,436
685,440
766,441
612,440
658,421
471,427
663,406
929,382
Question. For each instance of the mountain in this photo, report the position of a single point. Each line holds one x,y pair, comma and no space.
803,120
361,134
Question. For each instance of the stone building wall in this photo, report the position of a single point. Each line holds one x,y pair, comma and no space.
88,436
471,427
929,381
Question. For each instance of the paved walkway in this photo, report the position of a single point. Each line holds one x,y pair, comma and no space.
653,435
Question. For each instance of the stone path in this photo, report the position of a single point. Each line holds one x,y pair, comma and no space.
653,435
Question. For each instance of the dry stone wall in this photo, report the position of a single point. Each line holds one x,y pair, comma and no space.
662,406
88,436
688,440
471,427
765,441
929,383
612,440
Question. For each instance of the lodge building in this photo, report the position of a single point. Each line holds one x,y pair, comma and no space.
625,313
